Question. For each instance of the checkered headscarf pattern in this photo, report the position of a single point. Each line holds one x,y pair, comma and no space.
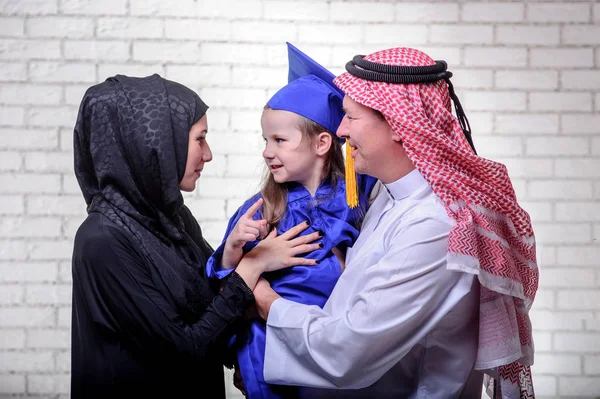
492,236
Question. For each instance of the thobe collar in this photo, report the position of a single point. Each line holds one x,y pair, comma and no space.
406,185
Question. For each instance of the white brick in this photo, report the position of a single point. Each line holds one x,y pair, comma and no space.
48,294
46,250
578,211
580,386
545,386
426,12
246,143
592,325
27,361
234,53
263,32
563,233
521,168
579,256
28,139
557,146
29,227
207,209
493,12
11,205
12,249
226,188
48,384
548,12
63,361
231,9
544,299
71,225
560,189
28,7
29,183
13,72
245,166
185,8
578,168
140,70
542,341
576,342
205,30
597,100
69,184
27,272
52,116
60,27
59,72
471,79
12,383
552,320
581,80
388,34
132,28
244,98
213,232
106,7
580,123
49,339
12,27
67,205
538,211
546,255
219,119
493,146
481,122
461,34
528,35
65,272
245,120
29,49
10,161
64,317
566,277
591,364
581,34
107,50
159,51
556,364
495,56
493,100
357,12
296,11
30,94
73,96
527,123
12,339
562,58
527,79
596,10
11,116
27,317
330,34
11,294
277,55
49,162
560,101
259,77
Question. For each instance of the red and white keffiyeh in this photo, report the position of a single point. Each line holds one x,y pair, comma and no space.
492,238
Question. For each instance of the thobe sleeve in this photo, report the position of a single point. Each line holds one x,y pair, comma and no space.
122,297
401,299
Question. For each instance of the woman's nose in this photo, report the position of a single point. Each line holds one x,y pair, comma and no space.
207,155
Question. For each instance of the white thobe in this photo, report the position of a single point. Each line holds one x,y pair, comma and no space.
398,324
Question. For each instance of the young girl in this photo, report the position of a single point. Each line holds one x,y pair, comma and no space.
304,182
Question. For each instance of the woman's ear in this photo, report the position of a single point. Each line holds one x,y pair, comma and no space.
324,141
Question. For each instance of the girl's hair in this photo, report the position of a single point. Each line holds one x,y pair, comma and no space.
275,195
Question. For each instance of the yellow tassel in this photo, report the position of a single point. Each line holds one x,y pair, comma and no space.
351,188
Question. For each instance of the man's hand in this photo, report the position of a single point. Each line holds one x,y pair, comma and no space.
264,297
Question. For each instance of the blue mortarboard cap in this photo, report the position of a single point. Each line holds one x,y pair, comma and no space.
310,92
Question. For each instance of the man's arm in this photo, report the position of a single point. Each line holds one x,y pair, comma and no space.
401,300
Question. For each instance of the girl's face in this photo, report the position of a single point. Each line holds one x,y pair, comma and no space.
198,154
290,156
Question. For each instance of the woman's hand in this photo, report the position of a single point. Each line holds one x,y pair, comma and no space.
247,229
278,252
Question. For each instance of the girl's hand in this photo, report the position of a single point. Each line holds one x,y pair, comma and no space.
247,229
278,252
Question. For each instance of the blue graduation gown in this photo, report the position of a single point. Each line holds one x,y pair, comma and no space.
327,211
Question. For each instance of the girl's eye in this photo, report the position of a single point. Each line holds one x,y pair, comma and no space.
279,141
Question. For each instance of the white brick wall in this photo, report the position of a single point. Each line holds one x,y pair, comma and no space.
527,72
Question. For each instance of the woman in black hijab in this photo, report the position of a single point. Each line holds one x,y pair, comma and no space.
146,320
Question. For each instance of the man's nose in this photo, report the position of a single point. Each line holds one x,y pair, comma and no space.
342,131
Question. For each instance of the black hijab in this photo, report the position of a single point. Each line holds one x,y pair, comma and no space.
131,145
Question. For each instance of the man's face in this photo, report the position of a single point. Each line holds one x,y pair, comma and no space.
373,141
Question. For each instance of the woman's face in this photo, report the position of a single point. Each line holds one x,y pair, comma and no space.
198,154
